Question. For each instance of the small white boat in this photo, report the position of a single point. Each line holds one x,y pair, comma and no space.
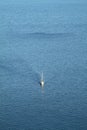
42,81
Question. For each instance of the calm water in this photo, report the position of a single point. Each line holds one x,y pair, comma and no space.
48,37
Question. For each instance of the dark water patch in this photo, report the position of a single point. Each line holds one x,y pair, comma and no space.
40,35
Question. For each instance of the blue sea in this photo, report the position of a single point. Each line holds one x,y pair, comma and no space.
49,37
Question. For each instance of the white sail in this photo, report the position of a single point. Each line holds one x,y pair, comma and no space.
42,80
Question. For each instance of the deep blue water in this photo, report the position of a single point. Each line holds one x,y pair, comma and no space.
48,37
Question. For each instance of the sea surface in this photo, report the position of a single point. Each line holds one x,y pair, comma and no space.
48,37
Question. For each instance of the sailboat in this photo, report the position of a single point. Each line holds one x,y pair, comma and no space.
42,80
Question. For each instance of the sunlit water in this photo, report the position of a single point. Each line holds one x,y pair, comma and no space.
48,38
